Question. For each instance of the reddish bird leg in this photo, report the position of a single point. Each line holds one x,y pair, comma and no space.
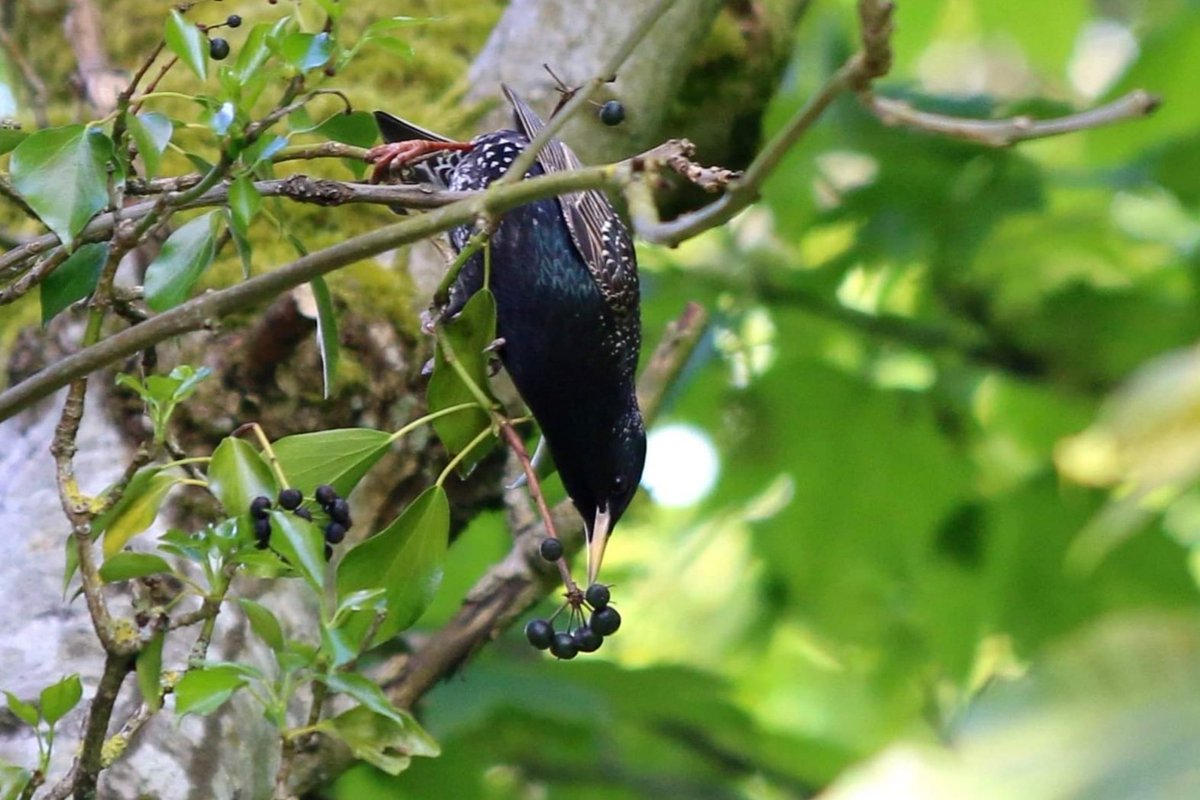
387,157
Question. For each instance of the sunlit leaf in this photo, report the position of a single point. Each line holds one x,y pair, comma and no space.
238,473
380,740
202,690
125,566
186,41
136,510
57,699
301,544
405,559
61,173
152,132
183,259
149,671
338,457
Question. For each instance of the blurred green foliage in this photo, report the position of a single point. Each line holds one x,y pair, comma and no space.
881,595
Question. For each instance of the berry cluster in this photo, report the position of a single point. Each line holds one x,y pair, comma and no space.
335,507
580,636
218,48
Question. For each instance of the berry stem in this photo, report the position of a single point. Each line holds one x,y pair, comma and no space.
269,451
419,421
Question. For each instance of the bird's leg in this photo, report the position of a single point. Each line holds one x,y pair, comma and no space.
387,157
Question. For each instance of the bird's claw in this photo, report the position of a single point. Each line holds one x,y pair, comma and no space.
392,155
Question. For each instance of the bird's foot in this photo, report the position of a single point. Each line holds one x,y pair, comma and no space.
393,155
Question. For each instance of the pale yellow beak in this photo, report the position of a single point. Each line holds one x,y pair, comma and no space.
599,540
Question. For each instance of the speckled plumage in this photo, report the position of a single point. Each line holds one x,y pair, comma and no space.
565,279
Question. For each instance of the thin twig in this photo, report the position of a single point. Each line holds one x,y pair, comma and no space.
1006,132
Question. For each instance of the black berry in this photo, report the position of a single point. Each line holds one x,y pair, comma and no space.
586,640
612,113
233,21
339,511
335,532
218,48
325,494
328,551
551,549
290,499
597,596
259,507
563,646
540,633
303,513
605,621
262,531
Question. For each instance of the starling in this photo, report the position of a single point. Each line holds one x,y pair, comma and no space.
564,275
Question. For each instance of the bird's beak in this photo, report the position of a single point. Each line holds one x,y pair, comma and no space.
596,545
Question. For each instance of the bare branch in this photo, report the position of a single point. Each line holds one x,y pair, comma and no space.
1005,132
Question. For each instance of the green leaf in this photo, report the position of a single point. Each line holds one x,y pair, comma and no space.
327,333
149,671
152,132
244,201
61,173
381,740
183,259
237,474
26,712
357,128
306,51
124,566
13,780
302,544
135,511
205,689
338,457
10,138
186,41
405,559
366,692
263,622
253,53
58,699
74,279
468,334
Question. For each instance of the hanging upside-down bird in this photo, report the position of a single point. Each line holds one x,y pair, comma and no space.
565,279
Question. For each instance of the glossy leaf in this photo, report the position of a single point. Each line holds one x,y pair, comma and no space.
357,128
152,132
244,201
368,693
13,780
26,712
263,622
202,690
135,511
61,173
74,279
125,566
380,740
327,334
57,699
237,474
183,259
337,457
186,41
301,544
10,138
468,334
149,672
405,559
307,51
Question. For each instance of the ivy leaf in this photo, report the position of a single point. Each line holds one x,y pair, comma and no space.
327,333
10,138
61,173
124,566
338,457
405,559
306,51
264,623
151,132
183,259
237,474
187,42
468,334
135,511
205,689
380,740
149,671
26,712
74,279
302,544
58,699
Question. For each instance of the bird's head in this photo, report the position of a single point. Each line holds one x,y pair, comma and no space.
602,480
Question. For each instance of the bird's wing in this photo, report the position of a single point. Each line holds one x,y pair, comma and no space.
395,129
598,232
